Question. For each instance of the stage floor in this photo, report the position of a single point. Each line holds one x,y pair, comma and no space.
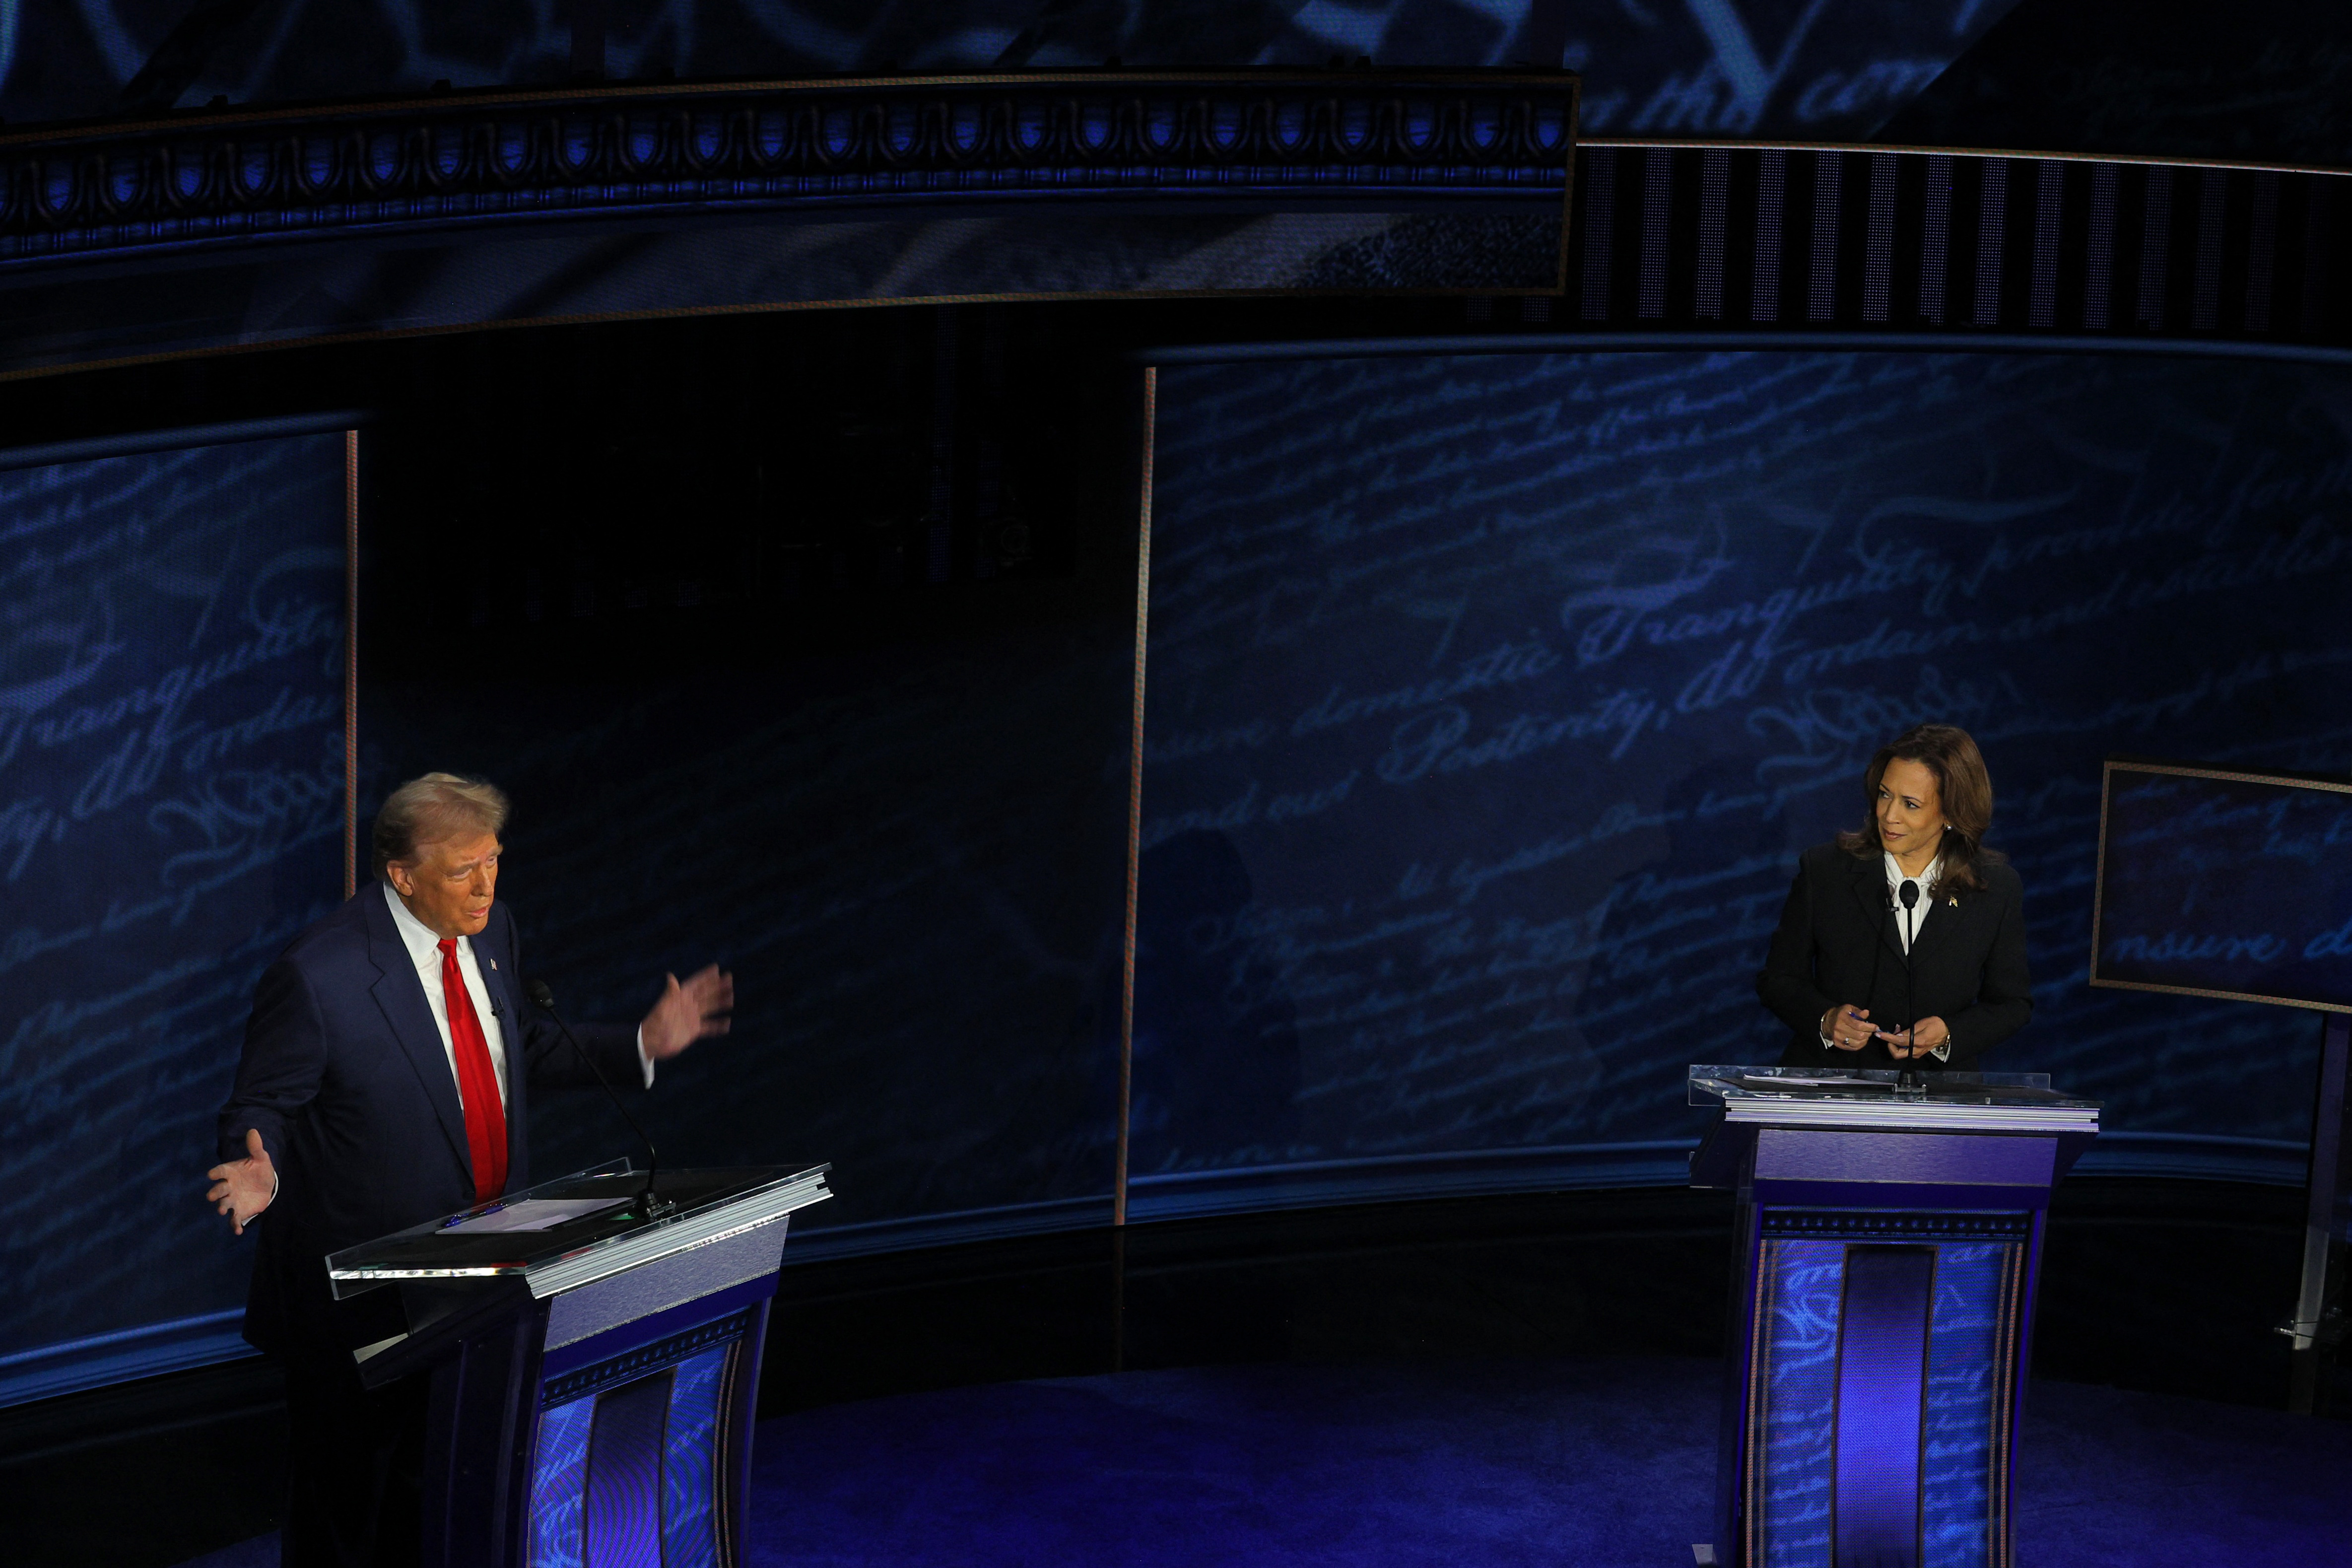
1599,1463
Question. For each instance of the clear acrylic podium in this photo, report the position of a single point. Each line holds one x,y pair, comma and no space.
595,1373
1887,1242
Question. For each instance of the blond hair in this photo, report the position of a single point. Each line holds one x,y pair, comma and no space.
429,809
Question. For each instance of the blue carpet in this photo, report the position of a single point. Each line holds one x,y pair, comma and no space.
261,1552
1495,1464
1601,1463
2117,1478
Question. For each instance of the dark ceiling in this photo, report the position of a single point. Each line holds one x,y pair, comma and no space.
1818,69
2261,80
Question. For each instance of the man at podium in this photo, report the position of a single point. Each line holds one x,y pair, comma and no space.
384,1081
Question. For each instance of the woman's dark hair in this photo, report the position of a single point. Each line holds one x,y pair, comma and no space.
1962,787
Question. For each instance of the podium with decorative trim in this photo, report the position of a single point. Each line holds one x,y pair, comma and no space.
1887,1240
594,1369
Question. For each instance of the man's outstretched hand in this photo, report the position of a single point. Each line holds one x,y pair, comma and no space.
688,1012
243,1188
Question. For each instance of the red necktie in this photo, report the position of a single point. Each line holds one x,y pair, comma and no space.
477,1081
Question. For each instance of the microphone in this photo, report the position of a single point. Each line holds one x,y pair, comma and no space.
649,1206
1910,1076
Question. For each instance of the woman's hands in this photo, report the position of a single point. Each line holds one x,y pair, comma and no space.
1929,1033
1847,1027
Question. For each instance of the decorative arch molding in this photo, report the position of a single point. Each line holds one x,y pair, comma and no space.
1263,141
207,233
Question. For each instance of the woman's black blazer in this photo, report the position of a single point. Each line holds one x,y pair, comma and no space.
1837,943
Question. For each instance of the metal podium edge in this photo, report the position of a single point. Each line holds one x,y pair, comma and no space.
748,1212
1913,1116
671,1238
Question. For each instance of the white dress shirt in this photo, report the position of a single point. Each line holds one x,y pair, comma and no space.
425,949
1906,925
1908,922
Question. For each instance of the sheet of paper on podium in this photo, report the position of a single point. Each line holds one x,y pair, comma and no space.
535,1214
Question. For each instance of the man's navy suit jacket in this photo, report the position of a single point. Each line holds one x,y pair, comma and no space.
345,1075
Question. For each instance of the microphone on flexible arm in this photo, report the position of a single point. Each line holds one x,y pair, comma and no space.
1910,1076
649,1205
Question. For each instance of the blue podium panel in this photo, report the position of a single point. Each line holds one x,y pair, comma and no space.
1882,1406
594,1350
1877,1416
632,1461
1888,1241
559,1483
621,1519
705,1386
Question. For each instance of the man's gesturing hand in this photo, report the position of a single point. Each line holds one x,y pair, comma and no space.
688,1012
243,1188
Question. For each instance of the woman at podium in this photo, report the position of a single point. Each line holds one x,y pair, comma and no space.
1903,942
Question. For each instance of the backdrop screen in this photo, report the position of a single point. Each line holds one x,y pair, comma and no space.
171,814
2234,884
1491,701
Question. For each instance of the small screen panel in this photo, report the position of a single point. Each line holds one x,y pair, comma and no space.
2225,884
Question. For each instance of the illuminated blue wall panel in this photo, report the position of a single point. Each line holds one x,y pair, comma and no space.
172,783
1492,699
